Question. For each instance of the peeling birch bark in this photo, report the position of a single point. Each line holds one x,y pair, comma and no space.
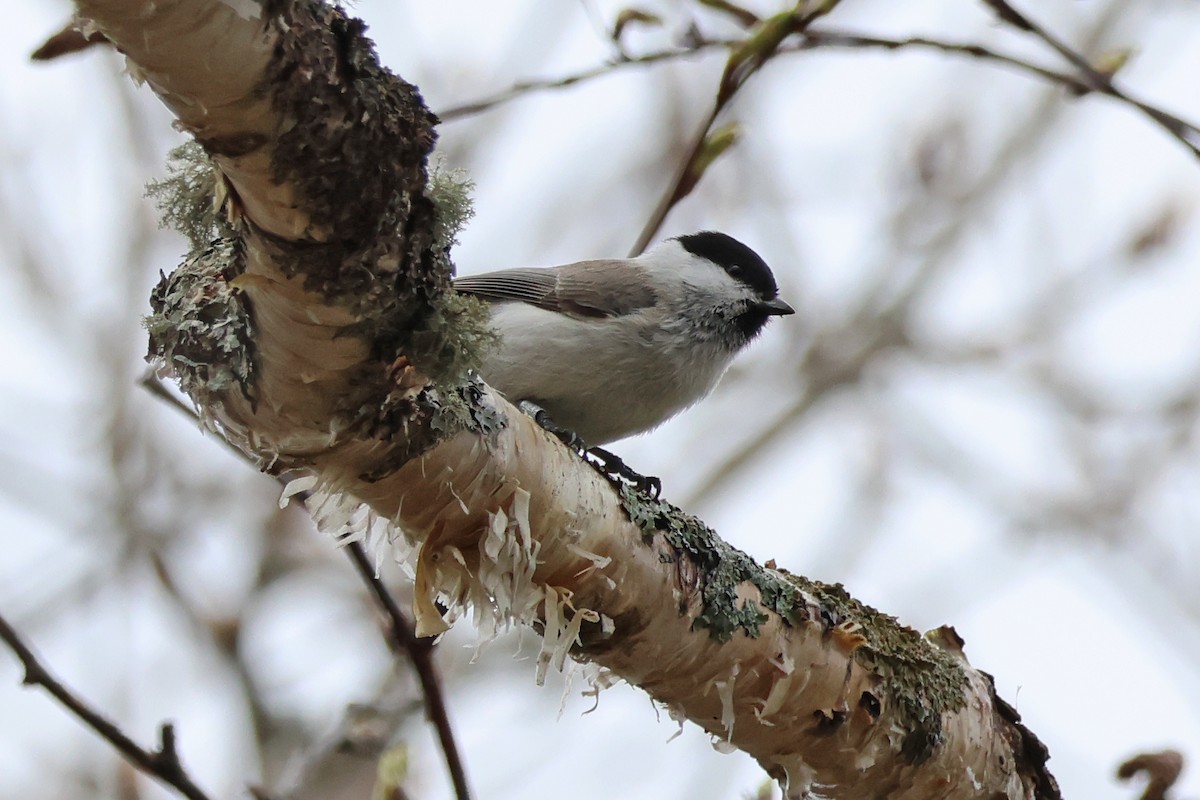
319,339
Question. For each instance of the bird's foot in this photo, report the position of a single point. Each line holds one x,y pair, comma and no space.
612,467
606,463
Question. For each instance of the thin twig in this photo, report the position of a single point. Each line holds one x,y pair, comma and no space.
163,763
400,636
745,60
681,185
833,38
878,321
607,68
1098,80
812,40
403,638
1088,79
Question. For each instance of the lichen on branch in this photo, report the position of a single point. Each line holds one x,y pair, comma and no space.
350,145
318,329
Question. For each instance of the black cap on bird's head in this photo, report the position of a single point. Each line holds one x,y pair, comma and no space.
745,266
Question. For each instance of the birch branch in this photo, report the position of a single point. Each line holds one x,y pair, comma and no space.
319,336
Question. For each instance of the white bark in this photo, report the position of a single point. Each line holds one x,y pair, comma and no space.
835,699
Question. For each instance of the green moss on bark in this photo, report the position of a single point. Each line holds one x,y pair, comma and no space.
922,682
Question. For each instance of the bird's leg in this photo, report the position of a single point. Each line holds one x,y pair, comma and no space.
567,436
606,463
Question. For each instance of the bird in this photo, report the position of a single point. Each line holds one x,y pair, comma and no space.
609,348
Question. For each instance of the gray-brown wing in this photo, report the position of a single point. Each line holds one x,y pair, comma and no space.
586,288
524,284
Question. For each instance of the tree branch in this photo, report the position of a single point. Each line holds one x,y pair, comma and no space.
403,639
1096,80
162,764
313,349
824,38
400,635
1086,80
746,58
518,90
1161,770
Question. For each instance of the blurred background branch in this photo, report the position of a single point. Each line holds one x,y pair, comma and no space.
985,413
162,764
398,631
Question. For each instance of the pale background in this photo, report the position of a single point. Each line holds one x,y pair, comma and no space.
1017,457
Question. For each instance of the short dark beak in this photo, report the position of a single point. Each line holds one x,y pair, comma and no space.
776,308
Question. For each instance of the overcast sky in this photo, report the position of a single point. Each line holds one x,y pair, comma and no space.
1016,457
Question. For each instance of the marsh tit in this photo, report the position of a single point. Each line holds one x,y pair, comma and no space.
614,347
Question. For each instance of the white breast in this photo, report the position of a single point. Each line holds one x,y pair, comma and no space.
603,379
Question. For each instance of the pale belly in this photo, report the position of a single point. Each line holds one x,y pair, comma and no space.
601,381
